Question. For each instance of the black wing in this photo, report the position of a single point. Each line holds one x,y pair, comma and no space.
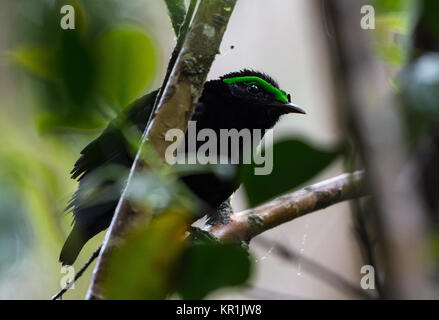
111,146
99,188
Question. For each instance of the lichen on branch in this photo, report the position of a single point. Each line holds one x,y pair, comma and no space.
245,225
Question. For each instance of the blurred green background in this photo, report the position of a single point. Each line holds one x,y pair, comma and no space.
59,88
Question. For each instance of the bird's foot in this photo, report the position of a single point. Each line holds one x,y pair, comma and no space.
222,214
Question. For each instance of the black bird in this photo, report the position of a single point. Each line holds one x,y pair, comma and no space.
241,100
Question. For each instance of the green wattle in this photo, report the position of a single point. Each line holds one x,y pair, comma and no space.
278,94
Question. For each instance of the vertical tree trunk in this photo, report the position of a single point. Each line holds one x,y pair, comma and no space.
369,114
175,107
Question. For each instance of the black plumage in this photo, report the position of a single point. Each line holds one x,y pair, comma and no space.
221,106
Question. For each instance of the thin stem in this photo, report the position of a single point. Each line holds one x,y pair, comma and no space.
78,274
315,269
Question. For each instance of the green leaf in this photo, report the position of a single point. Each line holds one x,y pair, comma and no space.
428,16
391,35
143,266
126,60
434,245
210,266
36,60
76,68
419,83
385,6
294,163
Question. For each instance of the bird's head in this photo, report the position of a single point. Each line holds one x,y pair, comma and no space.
252,94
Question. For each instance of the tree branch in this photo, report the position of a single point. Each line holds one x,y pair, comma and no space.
174,109
278,211
245,225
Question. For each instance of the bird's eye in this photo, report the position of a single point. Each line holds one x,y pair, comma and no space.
253,88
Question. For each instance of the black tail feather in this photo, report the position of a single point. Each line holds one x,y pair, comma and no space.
72,247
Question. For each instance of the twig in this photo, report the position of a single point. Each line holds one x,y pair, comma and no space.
247,224
78,274
365,242
174,109
315,269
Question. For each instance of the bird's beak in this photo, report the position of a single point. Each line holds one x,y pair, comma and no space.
288,107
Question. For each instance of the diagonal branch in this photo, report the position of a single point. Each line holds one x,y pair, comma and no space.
174,109
245,225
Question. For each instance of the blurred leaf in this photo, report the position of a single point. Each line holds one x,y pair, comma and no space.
83,75
104,184
209,266
126,58
49,122
420,81
429,16
386,6
434,246
142,267
64,64
425,36
420,95
294,163
158,187
393,21
392,35
152,190
76,67
37,60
